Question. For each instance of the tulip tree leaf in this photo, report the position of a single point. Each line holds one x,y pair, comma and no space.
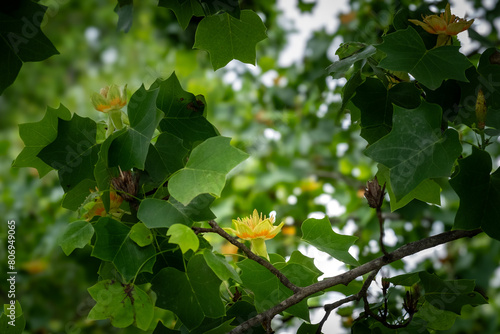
184,113
300,269
206,169
184,237
213,7
220,266
415,149
113,243
436,319
74,198
427,191
141,235
125,11
319,233
406,52
20,321
196,294
21,39
184,10
155,213
376,105
450,295
268,290
36,136
76,235
123,304
130,149
74,151
165,157
227,38
479,193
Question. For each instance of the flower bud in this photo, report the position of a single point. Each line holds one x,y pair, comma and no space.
110,98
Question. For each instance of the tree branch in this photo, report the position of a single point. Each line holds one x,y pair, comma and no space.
406,250
283,279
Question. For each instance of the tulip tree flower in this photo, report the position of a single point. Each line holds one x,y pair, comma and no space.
110,100
96,207
445,25
257,230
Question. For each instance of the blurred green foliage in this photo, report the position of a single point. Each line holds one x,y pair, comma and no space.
306,156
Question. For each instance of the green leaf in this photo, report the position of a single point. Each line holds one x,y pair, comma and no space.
220,266
155,213
12,319
376,105
74,198
300,269
184,113
406,52
141,235
38,135
450,295
436,319
213,7
184,10
165,157
123,304
415,149
227,38
319,233
74,151
405,279
130,149
268,290
184,237
427,191
196,294
76,235
479,193
206,170
125,11
113,243
339,68
22,39
223,328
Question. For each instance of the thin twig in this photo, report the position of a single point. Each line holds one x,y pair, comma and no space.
330,307
406,250
381,224
198,230
283,279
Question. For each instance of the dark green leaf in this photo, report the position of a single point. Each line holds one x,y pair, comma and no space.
405,279
130,149
206,170
213,7
300,269
22,39
415,149
436,319
479,194
406,52
12,319
125,11
165,157
268,290
38,135
319,233
77,235
196,292
184,113
74,151
184,10
227,38
156,213
450,295
114,244
220,266
74,198
123,304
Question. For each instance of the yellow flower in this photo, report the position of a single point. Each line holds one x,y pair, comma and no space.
257,230
110,98
445,25
255,227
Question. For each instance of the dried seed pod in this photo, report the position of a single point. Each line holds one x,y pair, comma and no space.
374,194
126,185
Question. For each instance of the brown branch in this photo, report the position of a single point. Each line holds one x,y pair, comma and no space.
283,279
330,307
198,230
406,250
381,225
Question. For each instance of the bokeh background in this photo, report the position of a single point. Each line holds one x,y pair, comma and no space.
306,156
